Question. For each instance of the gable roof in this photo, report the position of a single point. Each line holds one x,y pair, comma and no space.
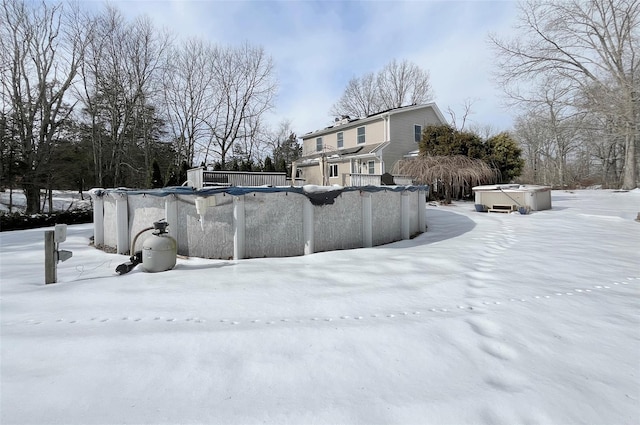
355,122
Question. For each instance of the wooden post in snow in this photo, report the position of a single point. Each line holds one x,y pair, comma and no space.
50,275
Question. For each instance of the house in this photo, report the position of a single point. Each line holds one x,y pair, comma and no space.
358,152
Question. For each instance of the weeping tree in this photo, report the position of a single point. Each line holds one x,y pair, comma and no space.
449,175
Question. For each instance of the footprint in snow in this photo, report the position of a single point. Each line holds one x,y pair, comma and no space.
506,381
484,327
479,275
499,350
485,268
477,284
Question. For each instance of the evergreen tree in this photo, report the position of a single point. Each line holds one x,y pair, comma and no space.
281,165
173,179
234,166
182,177
156,176
246,165
286,151
445,140
268,165
504,154
500,152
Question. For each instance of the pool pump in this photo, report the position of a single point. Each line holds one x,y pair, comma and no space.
159,251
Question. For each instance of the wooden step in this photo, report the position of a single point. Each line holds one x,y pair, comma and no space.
502,208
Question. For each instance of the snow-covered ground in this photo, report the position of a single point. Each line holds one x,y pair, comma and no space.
484,319
62,200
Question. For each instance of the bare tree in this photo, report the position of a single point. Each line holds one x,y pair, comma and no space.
459,123
403,83
120,75
591,46
397,84
242,90
41,46
361,98
186,80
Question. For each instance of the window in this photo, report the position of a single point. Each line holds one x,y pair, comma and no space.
361,138
318,144
417,133
333,170
372,167
340,143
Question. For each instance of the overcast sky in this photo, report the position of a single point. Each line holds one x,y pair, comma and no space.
317,46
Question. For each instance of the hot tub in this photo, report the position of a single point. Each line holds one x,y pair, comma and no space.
513,196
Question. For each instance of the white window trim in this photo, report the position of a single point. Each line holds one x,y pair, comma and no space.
339,143
333,167
319,147
364,135
414,133
371,167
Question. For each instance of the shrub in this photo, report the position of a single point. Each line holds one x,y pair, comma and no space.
20,221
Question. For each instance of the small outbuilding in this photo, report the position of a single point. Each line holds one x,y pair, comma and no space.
512,197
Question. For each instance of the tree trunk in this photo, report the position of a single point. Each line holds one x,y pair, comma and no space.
50,200
630,176
32,194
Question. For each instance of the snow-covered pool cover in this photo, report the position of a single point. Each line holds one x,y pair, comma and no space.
477,321
318,195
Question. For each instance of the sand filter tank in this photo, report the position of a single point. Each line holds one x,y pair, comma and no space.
159,251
